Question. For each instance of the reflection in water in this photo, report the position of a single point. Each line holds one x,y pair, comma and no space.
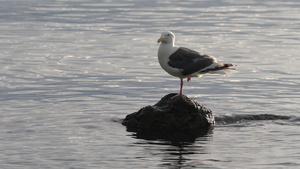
175,137
182,149
175,149
178,156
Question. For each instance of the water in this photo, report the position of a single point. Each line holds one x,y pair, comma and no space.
70,70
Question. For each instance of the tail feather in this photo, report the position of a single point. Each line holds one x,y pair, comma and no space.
223,68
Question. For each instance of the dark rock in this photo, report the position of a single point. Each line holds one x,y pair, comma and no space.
238,118
180,114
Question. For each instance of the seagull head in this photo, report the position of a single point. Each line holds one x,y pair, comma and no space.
167,37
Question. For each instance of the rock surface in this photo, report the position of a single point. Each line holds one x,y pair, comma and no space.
180,114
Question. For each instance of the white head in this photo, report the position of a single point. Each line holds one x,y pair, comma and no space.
167,38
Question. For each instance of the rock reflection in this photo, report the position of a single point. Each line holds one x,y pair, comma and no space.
175,137
176,149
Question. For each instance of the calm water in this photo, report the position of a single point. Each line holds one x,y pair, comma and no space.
70,70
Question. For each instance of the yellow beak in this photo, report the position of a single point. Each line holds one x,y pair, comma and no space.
160,40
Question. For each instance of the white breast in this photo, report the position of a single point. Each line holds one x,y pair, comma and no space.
164,52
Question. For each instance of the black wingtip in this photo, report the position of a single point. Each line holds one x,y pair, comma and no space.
228,65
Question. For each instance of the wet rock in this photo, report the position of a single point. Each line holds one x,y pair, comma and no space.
238,118
179,114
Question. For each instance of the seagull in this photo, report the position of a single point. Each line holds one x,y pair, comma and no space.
186,63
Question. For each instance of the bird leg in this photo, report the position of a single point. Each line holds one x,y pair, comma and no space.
180,93
189,79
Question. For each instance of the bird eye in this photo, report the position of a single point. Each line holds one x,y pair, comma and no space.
168,34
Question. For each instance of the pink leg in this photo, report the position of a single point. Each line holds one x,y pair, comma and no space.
181,86
188,79
180,93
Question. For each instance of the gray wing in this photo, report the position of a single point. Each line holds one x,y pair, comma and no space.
189,61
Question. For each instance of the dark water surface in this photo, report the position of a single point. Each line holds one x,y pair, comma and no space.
70,70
